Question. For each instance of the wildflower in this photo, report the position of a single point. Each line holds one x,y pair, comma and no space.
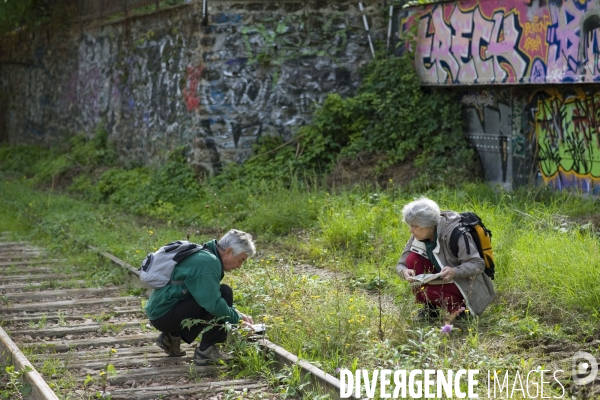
328,338
447,329
337,370
155,248
137,251
150,232
114,351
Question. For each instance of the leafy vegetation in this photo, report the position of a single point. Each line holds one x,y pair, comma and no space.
35,14
330,314
323,280
391,115
15,387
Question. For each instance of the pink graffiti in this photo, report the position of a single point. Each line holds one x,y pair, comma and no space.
563,39
190,92
514,66
490,47
440,49
462,23
513,41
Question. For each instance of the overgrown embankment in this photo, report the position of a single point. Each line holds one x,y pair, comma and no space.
543,300
547,262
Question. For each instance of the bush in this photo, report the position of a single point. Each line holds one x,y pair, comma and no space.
391,115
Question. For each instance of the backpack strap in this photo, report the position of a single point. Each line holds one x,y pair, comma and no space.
457,233
188,250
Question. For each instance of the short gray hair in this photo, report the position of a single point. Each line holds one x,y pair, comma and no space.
422,212
240,242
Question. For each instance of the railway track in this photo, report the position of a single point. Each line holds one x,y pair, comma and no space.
93,342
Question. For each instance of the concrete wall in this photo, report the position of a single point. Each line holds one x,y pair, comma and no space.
537,135
506,41
165,80
526,80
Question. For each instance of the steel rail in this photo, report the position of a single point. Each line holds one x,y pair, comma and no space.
320,379
12,355
56,327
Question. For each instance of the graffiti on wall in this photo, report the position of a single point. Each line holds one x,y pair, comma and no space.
161,83
566,126
488,117
523,145
190,91
504,42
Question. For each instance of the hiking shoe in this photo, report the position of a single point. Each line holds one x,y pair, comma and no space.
170,344
212,355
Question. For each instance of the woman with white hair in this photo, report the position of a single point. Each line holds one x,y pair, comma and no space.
463,283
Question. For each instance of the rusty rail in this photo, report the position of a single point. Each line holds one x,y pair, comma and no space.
12,355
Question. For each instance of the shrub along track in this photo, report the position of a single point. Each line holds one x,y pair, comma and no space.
71,334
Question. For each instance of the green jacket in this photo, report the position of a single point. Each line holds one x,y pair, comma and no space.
201,274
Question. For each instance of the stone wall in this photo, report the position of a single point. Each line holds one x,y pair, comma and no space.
165,79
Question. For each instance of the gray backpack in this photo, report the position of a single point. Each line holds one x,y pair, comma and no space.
157,267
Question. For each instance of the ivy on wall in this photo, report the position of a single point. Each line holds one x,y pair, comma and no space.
391,115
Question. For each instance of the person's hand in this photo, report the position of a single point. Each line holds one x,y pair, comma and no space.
248,325
247,318
448,273
408,274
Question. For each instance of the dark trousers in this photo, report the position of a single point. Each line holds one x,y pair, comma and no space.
188,308
447,296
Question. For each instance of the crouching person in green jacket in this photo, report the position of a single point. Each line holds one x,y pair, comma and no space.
202,296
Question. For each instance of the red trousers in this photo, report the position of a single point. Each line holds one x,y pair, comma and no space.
446,296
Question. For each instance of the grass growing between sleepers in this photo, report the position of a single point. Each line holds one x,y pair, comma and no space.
546,252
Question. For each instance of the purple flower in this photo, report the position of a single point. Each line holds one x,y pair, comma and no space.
447,329
337,371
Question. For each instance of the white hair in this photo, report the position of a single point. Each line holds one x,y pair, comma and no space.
422,212
240,242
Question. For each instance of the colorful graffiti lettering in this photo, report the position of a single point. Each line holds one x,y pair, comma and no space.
513,41
567,130
481,48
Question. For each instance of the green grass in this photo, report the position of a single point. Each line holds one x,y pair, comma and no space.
546,266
